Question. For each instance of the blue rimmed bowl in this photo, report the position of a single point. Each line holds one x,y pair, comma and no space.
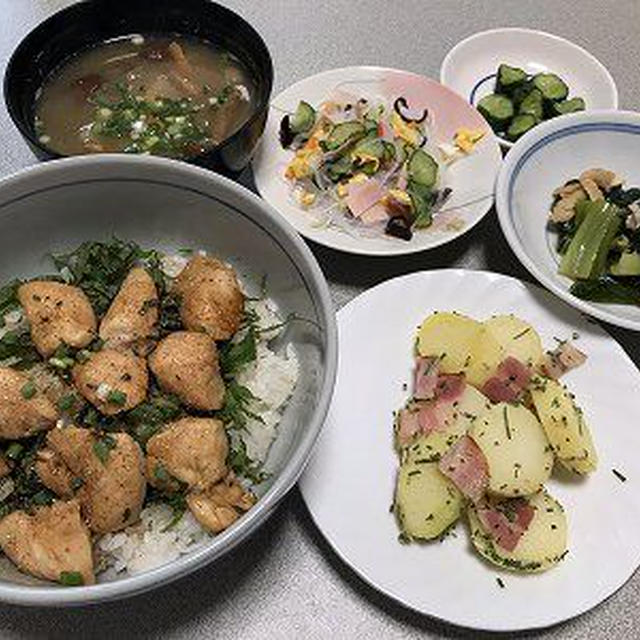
545,158
470,67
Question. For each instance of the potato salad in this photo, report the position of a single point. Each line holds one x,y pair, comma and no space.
486,424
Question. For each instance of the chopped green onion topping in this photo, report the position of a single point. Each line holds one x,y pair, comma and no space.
66,402
28,390
71,578
102,448
117,397
14,450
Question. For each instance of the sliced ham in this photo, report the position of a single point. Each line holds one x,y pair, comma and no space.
449,387
510,380
465,465
507,521
562,359
425,378
422,418
375,214
362,196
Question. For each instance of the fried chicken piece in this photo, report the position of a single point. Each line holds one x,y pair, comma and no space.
185,363
112,381
58,314
211,299
51,542
23,411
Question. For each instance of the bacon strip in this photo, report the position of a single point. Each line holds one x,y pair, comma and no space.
506,531
425,378
467,468
562,359
510,380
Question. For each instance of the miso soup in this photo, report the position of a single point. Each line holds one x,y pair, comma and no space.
174,97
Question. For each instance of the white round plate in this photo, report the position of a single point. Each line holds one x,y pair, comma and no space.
470,67
472,178
542,160
349,482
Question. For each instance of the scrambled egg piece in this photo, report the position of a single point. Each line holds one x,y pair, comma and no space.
300,166
400,195
306,198
408,131
466,139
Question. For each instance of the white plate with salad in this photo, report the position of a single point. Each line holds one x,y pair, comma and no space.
376,161
566,518
583,244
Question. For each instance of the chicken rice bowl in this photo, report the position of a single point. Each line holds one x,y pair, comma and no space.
139,396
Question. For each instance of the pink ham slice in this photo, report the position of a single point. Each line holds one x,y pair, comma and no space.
374,215
506,530
425,378
421,419
363,196
465,465
449,387
509,382
562,359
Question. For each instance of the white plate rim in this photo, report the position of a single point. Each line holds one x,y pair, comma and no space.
362,573
400,249
445,67
503,208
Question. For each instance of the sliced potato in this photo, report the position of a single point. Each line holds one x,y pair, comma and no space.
516,448
541,546
517,338
564,425
463,345
486,355
426,503
450,337
457,418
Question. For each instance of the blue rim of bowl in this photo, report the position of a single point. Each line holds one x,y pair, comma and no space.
300,255
506,184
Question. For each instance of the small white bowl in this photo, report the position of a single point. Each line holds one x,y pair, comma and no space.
470,67
546,157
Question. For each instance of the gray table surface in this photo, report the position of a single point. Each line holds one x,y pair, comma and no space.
286,582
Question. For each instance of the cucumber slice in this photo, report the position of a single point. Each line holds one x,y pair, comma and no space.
552,86
521,92
496,110
422,168
532,104
509,78
426,502
343,133
542,545
303,119
520,125
628,264
568,106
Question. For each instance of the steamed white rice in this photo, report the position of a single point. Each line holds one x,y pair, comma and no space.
271,378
